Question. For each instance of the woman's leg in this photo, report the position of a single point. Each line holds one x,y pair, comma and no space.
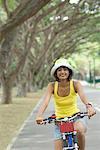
58,144
81,129
58,138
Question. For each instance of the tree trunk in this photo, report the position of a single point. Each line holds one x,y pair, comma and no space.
7,92
22,90
30,87
6,60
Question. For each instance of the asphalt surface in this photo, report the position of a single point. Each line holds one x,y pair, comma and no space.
36,137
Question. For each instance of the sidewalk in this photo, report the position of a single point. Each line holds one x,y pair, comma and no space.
34,137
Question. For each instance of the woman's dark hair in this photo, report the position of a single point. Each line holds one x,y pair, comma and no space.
69,77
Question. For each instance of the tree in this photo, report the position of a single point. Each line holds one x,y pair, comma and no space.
66,34
60,27
60,36
8,33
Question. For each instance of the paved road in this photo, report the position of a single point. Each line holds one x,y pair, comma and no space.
35,137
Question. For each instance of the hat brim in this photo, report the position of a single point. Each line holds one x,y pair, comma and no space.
55,67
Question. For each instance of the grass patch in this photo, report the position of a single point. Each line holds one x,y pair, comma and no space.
13,115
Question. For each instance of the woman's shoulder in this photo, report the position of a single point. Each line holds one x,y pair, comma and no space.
75,81
51,85
75,84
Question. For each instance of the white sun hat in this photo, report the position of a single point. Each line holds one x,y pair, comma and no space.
60,62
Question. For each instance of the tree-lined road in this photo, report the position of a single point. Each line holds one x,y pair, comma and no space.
35,137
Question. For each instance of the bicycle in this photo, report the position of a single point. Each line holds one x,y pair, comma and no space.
69,135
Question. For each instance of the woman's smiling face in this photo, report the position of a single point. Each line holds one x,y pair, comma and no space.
62,73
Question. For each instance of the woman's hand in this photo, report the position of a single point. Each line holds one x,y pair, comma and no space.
39,120
91,111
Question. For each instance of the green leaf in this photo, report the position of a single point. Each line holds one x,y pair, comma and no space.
0,2
12,4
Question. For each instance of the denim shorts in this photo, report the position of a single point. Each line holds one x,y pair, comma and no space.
57,133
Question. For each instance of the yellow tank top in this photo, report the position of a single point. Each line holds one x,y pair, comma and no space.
65,106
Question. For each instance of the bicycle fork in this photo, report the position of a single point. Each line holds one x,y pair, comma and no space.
75,140
70,141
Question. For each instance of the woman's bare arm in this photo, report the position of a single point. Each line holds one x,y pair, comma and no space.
84,98
45,103
80,91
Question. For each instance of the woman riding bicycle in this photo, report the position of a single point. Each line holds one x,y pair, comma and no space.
65,92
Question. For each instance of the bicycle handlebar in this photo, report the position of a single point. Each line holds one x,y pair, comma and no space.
65,119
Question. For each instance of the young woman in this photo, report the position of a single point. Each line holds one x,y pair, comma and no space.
65,92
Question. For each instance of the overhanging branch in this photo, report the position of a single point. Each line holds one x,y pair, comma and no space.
26,10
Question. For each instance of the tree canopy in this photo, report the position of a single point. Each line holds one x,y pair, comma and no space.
33,33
